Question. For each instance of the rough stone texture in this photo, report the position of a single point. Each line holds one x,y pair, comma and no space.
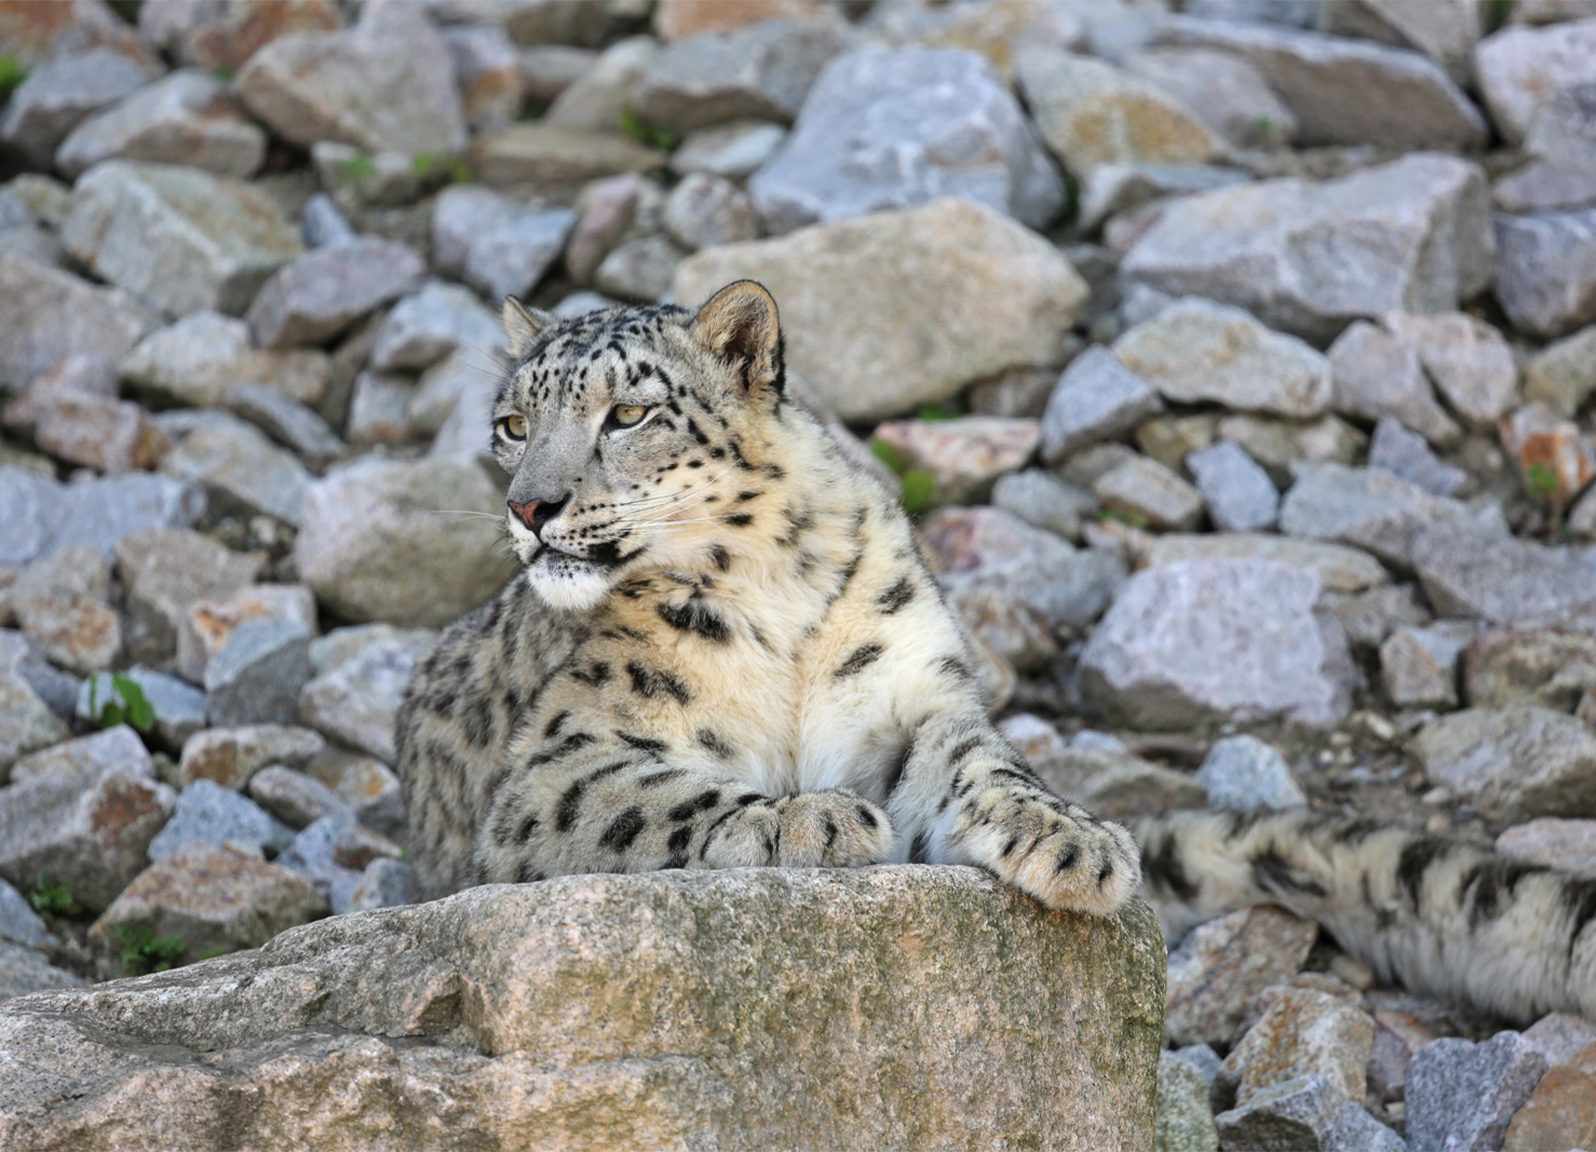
295,798
734,151
44,517
760,72
355,701
241,470
426,327
1097,398
1561,1113
510,259
22,970
230,756
207,813
944,117
1469,362
385,884
387,84
185,118
1563,374
178,237
61,606
674,1008
27,723
1197,351
198,360
1509,666
1345,91
1239,493
1144,490
677,19
1224,91
1568,846
1513,763
56,95
1217,971
1377,375
100,433
1091,114
47,314
256,675
1279,445
1185,1121
165,570
215,899
1546,270
1371,509
1407,456
1242,772
1212,641
117,749
1487,576
488,71
89,831
964,456
598,99
323,292
1041,499
1462,1095
1278,247
704,210
1520,68
867,321
549,155
1308,1113
375,545
207,623
1304,1031
1418,666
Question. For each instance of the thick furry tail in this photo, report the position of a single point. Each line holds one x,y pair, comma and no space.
1433,914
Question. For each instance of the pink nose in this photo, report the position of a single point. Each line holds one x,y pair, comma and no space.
528,513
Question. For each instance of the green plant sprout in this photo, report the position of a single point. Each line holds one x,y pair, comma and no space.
131,706
144,952
939,411
918,487
1540,481
634,127
12,74
51,899
361,166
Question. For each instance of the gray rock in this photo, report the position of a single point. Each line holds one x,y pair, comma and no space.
207,813
429,325
510,259
1121,189
1563,374
1370,616
1222,90
385,883
1242,772
165,570
295,798
1406,455
312,856
1282,446
1520,68
1097,398
1310,1025
1091,114
1277,247
60,603
287,421
88,831
256,675
1145,491
1512,763
703,211
368,784
1481,574
868,314
1470,364
1239,494
762,72
468,377
1461,1094
1308,1113
1214,641
230,756
963,456
1377,375
896,129
355,702
1041,499
1218,969
335,994
1509,666
388,84
45,517
324,223
181,238
27,723
117,749
47,315
1560,1036
1197,350
186,118
360,179
55,96
23,970
640,269
241,471
1346,91
1418,666
1185,1122
555,158
379,409
1369,509
57,689
487,69
19,923
1562,173
199,359
1546,270
461,214
373,544
322,293
1446,33
732,151
179,706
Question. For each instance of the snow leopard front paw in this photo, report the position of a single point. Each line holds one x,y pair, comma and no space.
1066,859
832,829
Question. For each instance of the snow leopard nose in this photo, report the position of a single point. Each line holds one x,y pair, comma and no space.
536,513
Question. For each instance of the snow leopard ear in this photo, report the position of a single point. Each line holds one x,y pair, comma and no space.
522,326
740,326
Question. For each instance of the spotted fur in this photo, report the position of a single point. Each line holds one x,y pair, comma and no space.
725,648
1431,913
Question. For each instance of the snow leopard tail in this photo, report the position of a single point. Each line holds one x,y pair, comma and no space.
1436,915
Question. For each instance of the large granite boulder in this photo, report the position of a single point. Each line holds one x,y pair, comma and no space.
898,1007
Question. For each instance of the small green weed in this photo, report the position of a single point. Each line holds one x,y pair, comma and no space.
1540,481
12,74
1129,519
51,899
144,952
1262,126
426,166
918,486
131,706
636,128
357,168
938,412
222,74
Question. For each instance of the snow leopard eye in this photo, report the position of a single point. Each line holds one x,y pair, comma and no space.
513,427
626,415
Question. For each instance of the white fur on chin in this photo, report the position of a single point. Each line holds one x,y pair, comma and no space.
568,583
